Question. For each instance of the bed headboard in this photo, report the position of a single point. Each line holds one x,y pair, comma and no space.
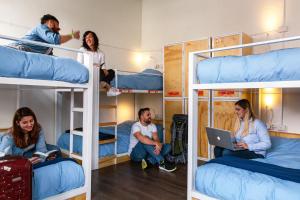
284,134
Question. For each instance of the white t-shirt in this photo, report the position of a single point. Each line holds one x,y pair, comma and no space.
144,130
98,57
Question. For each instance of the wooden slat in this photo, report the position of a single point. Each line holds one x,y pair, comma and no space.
224,116
65,155
173,71
190,46
79,197
107,141
202,122
171,108
157,121
112,160
247,39
123,159
107,161
107,124
284,134
107,106
225,41
4,129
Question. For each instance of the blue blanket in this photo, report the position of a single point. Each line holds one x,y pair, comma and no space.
56,178
260,167
232,183
279,65
148,79
20,64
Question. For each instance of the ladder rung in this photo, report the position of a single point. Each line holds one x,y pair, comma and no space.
80,133
107,141
76,156
107,124
108,106
77,109
69,90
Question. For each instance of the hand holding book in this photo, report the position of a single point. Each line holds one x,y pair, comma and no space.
50,155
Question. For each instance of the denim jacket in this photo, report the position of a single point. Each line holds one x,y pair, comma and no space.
8,146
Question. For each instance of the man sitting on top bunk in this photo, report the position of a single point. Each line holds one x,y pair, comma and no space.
46,32
145,145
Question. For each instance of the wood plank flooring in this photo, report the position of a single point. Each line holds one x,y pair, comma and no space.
128,181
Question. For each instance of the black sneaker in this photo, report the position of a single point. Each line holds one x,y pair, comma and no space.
167,166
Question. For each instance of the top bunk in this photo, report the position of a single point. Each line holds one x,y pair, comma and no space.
273,69
147,81
20,69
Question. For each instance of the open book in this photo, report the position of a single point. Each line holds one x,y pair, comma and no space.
45,156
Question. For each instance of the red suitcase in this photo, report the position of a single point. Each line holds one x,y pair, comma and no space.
15,178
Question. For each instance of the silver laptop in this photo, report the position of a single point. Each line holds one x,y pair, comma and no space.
221,138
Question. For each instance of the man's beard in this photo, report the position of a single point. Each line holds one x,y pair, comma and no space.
147,121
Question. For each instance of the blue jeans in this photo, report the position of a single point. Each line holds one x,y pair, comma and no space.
219,152
145,151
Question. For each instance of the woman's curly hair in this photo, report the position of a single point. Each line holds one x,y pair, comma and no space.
96,40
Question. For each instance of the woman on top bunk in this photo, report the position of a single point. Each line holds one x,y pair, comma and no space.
90,42
250,134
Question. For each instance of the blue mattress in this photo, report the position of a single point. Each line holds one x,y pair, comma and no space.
124,130
20,64
140,81
279,65
56,178
213,179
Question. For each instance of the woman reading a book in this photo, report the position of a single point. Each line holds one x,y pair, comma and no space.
26,135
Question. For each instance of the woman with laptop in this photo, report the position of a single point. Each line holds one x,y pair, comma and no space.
250,134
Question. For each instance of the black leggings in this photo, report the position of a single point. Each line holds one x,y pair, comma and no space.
109,77
219,152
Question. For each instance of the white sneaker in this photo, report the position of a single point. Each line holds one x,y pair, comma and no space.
113,92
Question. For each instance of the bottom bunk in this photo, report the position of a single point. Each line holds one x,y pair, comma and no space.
106,150
56,178
212,178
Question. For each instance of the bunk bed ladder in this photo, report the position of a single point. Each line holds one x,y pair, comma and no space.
73,132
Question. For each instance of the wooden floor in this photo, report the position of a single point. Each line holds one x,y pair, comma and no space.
128,181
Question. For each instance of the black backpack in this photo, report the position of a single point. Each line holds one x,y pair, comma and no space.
179,139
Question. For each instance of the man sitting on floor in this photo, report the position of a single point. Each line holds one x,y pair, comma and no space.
145,145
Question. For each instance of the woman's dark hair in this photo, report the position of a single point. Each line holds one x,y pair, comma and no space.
48,17
244,103
17,133
141,111
96,40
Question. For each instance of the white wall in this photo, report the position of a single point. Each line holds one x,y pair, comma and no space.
117,23
171,21
152,101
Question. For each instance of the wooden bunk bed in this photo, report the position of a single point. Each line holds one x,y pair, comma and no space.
196,84
29,80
